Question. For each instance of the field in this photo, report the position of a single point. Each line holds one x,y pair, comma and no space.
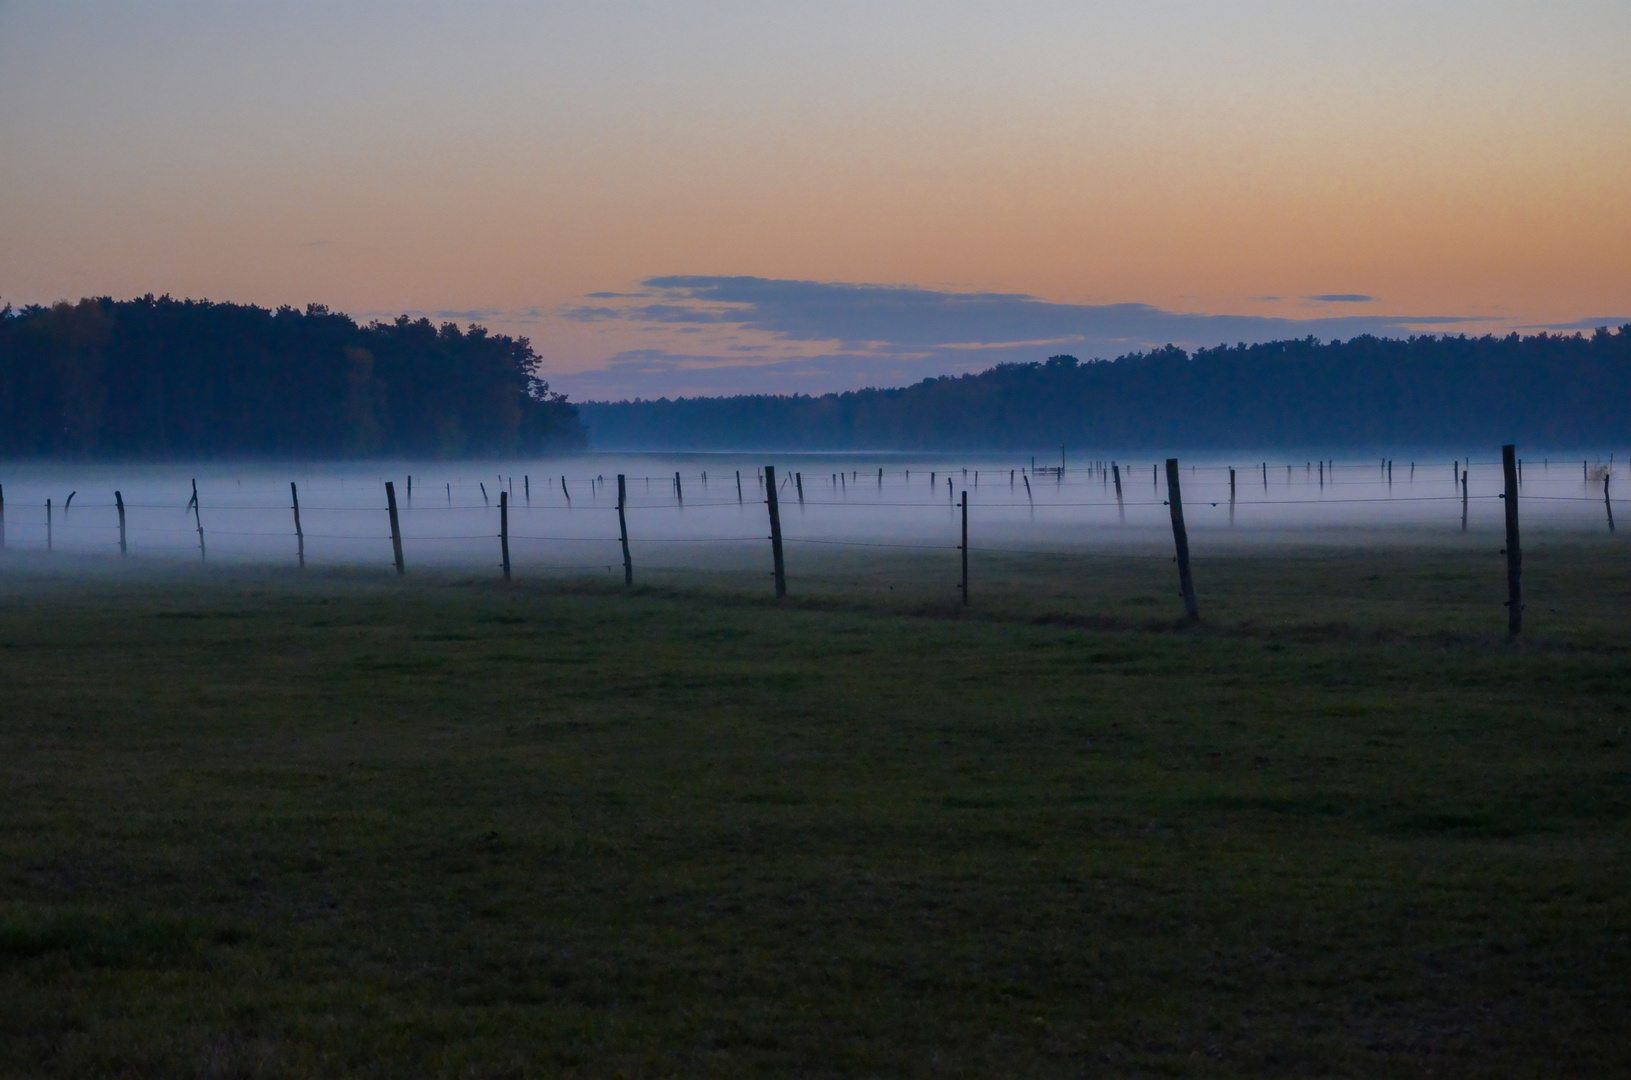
256,823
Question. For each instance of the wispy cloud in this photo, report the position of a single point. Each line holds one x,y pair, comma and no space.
890,335
1342,298
1581,324
906,316
319,243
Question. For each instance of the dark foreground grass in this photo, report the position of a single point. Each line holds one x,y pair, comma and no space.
260,825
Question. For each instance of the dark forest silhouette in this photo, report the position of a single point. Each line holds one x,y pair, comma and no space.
1550,390
188,378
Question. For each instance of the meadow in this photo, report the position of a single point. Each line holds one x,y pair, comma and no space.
260,823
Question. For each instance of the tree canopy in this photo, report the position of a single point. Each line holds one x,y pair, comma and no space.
1545,389
188,378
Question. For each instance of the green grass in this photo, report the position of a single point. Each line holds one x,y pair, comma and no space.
258,824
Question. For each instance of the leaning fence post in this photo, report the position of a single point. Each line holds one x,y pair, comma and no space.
504,530
623,524
963,547
1180,539
1514,555
396,527
1608,505
299,536
119,501
198,519
775,531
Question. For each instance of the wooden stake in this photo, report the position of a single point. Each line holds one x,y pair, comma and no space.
963,547
775,531
299,535
48,524
1514,555
568,494
526,488
1180,539
798,481
485,501
119,501
1463,500
679,492
1608,505
2,517
1121,509
199,521
504,530
739,487
623,523
410,487
396,527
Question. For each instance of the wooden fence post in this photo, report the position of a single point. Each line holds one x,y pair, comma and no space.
775,531
119,501
1608,505
565,492
623,524
2,517
396,527
504,530
963,547
1464,499
198,519
739,487
410,487
1180,538
299,534
679,492
798,481
526,488
48,524
1514,555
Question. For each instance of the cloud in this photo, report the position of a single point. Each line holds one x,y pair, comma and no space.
319,243
889,335
897,316
1342,298
473,315
1581,324
652,373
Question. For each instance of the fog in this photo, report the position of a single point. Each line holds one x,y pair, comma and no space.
563,515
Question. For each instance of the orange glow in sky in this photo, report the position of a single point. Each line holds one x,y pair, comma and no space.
504,162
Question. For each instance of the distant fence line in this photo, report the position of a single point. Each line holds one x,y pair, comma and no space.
770,493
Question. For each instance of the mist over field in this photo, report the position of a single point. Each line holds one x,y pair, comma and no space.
563,511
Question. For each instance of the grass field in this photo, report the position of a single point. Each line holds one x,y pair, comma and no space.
262,824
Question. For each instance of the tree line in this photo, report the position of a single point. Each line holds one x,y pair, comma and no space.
1544,390
170,378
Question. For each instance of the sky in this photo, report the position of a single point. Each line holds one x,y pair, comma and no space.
719,197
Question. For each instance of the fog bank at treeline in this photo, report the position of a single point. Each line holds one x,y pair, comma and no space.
1453,392
172,379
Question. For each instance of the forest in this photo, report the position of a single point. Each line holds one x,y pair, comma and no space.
1544,389
165,378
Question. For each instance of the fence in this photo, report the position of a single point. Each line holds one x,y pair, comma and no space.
567,516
